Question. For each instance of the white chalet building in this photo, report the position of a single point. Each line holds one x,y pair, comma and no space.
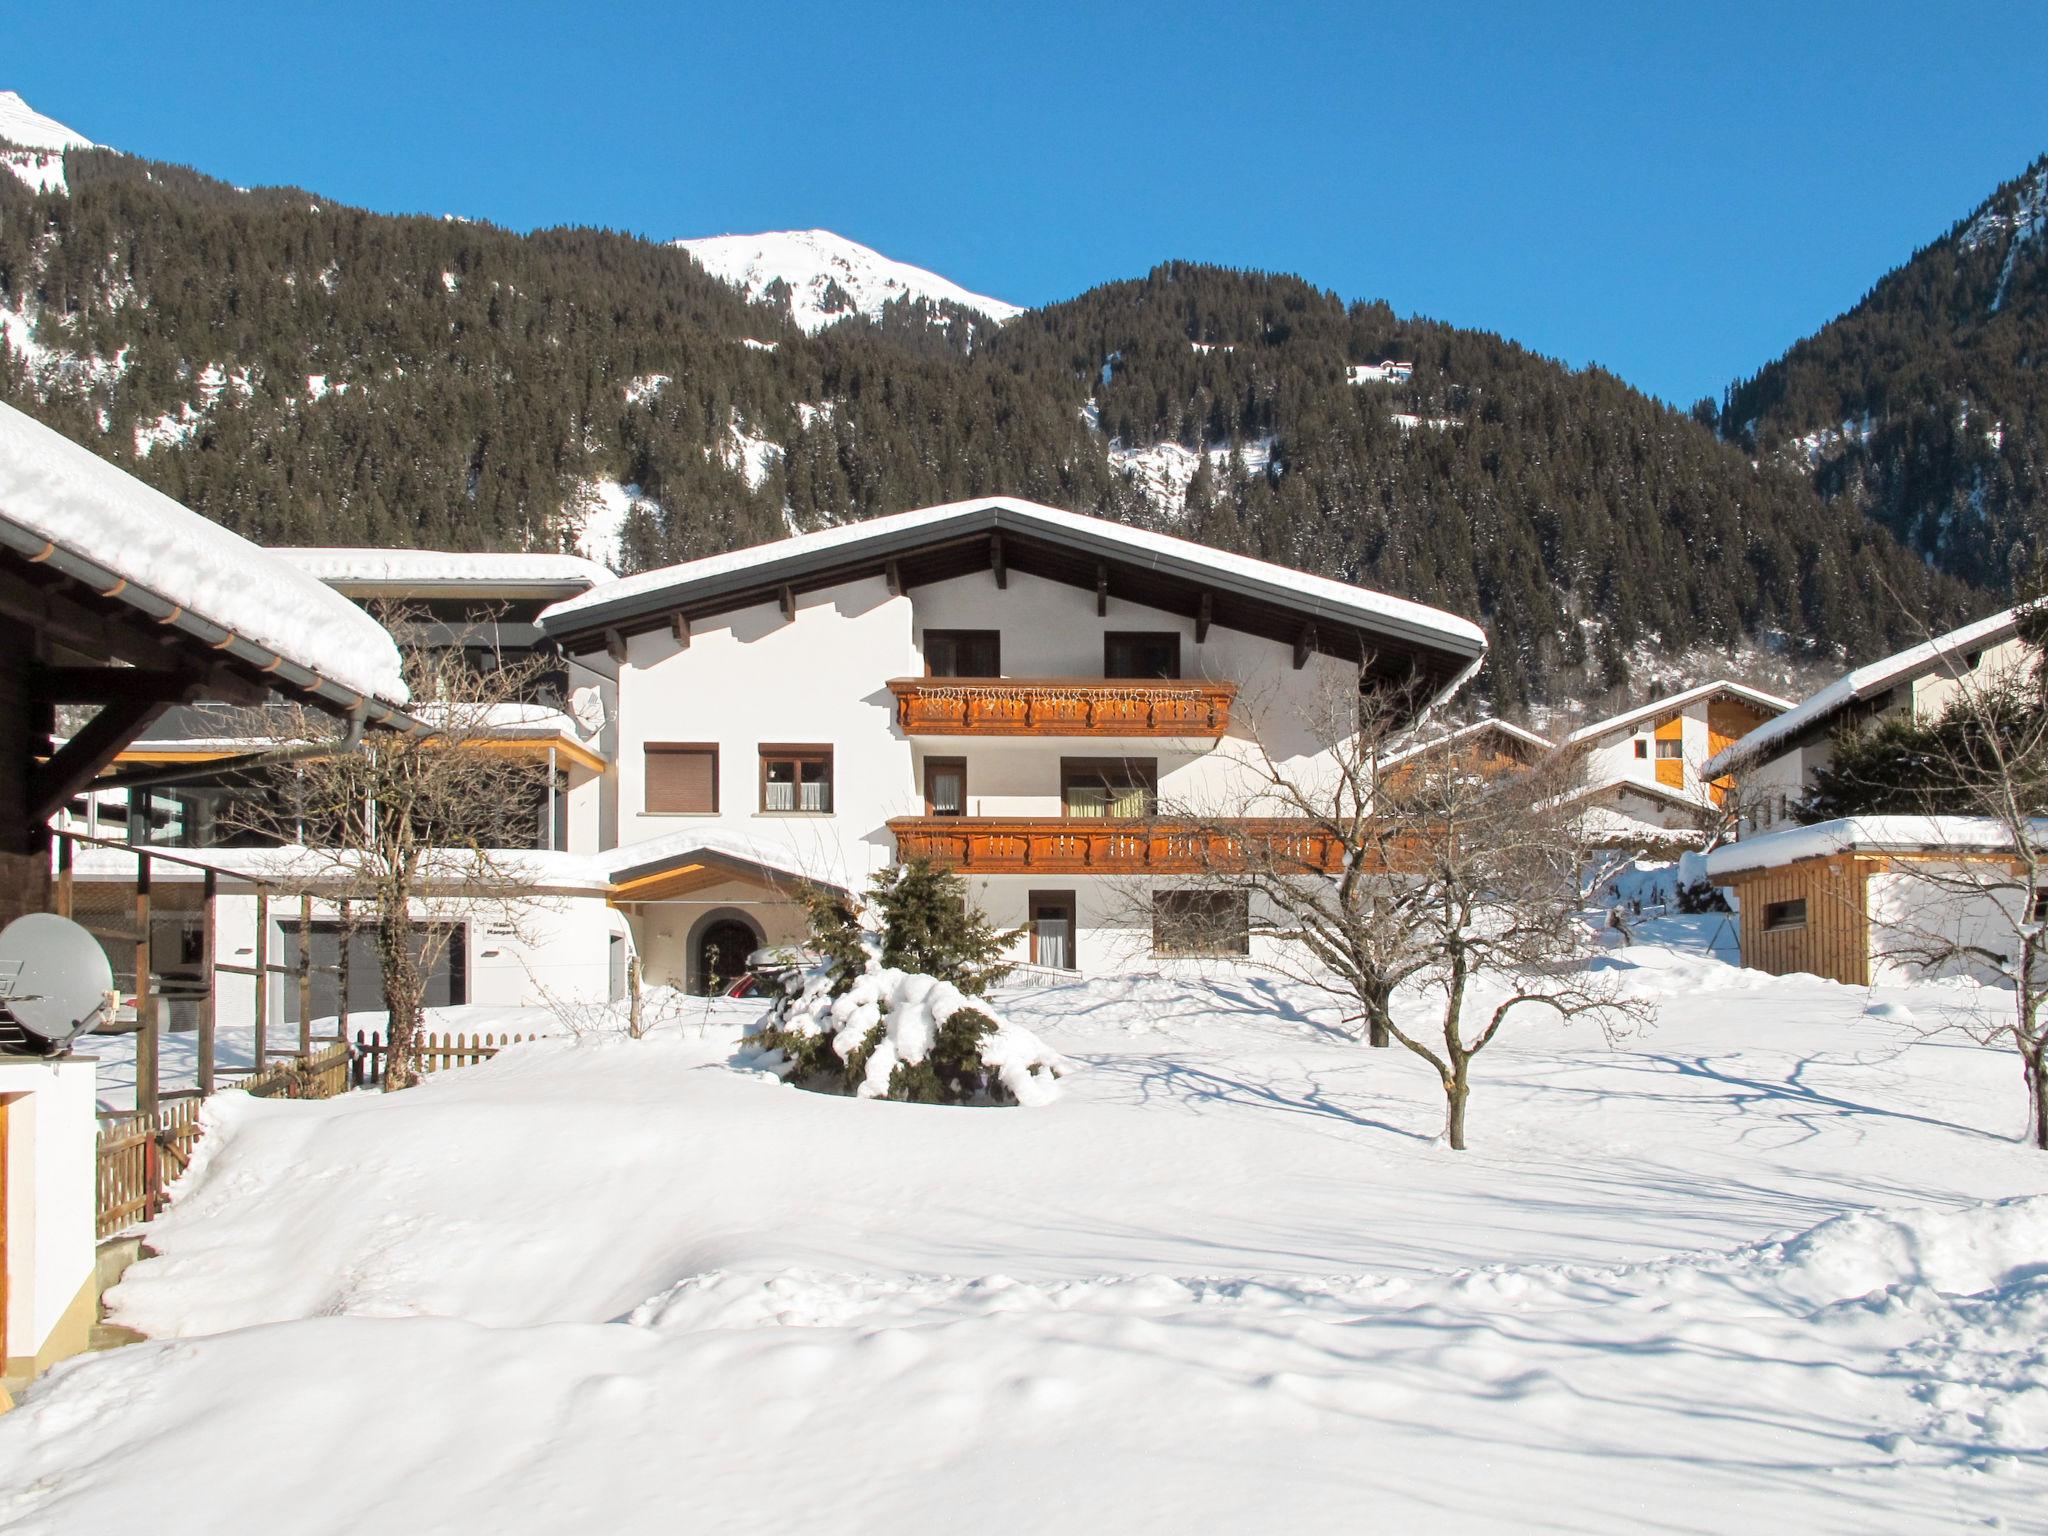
1021,693
1645,774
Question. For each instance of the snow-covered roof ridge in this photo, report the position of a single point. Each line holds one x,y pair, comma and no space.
1868,834
1679,700
22,124
1314,593
1862,683
433,567
811,261
54,491
1432,740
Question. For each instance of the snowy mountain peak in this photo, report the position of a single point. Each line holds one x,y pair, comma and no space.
815,261
22,124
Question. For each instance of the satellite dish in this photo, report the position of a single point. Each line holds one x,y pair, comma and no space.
54,980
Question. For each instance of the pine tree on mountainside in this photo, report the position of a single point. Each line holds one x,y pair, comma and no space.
474,409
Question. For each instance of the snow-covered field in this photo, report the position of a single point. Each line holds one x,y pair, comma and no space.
1778,1262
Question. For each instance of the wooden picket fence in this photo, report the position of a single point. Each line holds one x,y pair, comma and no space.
432,1052
142,1155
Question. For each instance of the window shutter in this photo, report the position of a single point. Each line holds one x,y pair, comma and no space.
682,779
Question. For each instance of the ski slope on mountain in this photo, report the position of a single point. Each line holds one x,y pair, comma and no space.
830,278
39,158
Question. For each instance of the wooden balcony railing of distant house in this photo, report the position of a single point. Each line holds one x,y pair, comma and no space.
1110,846
1061,706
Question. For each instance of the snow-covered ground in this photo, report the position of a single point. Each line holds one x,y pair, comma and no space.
1778,1262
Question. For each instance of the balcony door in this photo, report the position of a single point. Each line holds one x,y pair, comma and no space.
963,653
1109,786
1141,653
1052,930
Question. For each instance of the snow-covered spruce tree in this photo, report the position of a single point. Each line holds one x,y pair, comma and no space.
894,1006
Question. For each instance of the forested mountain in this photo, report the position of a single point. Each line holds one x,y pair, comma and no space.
1925,406
311,373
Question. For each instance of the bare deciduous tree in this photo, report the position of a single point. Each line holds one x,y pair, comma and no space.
1438,873
1979,900
404,822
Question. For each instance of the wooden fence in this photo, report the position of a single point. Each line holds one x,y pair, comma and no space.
142,1154
431,1053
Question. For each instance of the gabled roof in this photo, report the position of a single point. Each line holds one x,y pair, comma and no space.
1130,564
1756,698
1647,788
1487,726
1818,713
435,573
66,510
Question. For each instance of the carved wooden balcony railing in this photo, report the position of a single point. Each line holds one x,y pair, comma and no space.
1057,706
1108,846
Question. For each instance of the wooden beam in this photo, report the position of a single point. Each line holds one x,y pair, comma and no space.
996,561
892,573
103,685
78,762
615,646
1203,615
1101,589
787,597
679,626
1304,643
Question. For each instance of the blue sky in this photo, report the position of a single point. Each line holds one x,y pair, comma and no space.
1673,192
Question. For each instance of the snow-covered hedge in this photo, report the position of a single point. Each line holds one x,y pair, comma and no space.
904,1035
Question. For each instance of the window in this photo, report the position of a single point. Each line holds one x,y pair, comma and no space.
681,779
796,780
1782,915
1642,747
1131,653
1109,786
1052,930
963,653
945,786
2037,910
1669,748
1201,923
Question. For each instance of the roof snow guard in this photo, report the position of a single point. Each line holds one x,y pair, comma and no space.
65,509
1001,534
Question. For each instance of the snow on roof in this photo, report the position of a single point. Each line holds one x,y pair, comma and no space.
1867,834
1755,696
1445,738
1864,682
681,846
1318,593
443,568
22,124
68,497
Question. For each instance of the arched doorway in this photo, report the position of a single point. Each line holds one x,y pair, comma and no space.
719,946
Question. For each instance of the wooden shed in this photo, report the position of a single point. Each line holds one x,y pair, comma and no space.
1846,899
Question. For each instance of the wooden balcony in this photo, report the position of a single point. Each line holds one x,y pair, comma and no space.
1106,846
1061,706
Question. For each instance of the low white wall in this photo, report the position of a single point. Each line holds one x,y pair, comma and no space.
1917,912
52,1150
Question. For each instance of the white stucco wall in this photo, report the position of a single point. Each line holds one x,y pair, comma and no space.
752,677
1916,910
52,1142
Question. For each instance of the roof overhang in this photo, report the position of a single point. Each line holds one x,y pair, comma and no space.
1399,639
682,873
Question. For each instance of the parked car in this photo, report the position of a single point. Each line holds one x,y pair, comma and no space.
767,970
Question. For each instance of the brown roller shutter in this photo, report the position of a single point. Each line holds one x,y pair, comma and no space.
682,778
